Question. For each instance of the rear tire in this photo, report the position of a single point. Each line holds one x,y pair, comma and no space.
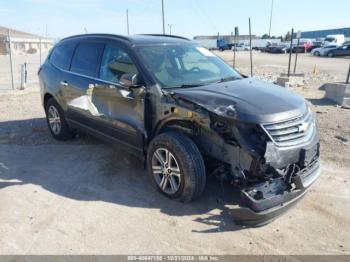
56,121
317,53
176,166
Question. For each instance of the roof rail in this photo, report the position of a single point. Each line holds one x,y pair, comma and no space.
165,35
88,35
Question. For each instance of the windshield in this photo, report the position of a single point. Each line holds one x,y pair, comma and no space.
329,39
185,65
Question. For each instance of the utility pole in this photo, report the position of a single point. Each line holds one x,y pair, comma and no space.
235,46
46,45
250,44
170,26
271,18
11,63
290,51
163,17
296,51
127,21
40,51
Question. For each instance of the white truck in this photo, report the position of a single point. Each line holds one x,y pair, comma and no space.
334,40
259,44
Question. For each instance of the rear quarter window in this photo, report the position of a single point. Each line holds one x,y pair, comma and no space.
62,55
86,59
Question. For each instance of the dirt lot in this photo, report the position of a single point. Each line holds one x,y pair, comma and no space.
84,197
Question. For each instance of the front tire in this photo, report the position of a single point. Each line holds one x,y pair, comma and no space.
317,53
176,166
331,54
56,121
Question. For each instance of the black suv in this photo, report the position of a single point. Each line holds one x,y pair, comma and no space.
188,114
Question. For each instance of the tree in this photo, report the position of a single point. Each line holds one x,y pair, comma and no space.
288,36
265,36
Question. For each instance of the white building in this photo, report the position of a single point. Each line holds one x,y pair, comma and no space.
22,42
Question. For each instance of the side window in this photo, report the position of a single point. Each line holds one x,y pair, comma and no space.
115,63
62,55
86,59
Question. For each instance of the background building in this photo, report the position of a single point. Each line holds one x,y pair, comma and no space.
227,38
22,42
210,41
323,33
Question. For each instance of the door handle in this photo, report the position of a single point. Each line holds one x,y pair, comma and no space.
64,83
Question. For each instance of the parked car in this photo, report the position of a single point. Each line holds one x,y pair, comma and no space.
322,51
241,47
275,49
314,45
343,50
305,45
188,114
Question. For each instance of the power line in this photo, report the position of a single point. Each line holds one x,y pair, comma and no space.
204,15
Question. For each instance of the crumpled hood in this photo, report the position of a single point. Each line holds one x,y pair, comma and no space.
248,99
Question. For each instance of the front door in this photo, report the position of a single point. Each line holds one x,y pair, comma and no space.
343,51
117,111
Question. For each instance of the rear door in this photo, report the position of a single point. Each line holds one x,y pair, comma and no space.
55,76
84,70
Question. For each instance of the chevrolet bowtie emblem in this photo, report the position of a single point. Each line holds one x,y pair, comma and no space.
303,127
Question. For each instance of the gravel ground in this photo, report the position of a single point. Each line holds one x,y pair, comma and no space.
85,197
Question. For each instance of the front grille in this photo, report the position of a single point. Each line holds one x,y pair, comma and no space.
291,132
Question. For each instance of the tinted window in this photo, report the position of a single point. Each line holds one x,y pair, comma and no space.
86,59
62,55
115,63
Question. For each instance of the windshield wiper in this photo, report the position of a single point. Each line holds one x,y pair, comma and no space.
187,85
227,79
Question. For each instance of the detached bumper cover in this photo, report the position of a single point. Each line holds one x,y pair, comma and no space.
260,212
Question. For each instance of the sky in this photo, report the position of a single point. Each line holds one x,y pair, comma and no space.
187,17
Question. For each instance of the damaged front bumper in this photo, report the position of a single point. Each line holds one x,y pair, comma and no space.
255,211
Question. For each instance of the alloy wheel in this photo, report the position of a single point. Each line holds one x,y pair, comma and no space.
54,120
166,171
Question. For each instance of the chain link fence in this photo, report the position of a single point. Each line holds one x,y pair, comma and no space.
20,59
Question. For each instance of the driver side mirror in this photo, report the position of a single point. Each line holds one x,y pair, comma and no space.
130,80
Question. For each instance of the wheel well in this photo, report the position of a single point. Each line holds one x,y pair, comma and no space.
186,127
46,98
